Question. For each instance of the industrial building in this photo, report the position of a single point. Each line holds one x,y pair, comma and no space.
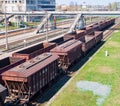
28,5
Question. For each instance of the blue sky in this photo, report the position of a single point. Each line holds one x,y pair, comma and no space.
92,2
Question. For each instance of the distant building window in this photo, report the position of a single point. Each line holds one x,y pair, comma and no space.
43,2
31,8
30,1
12,1
20,1
15,1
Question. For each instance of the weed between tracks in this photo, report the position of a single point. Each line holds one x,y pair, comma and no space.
101,69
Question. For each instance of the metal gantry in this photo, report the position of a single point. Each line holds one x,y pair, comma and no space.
79,23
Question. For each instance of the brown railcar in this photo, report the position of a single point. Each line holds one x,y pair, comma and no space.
68,52
89,31
111,21
30,77
96,27
75,35
88,44
101,25
98,36
60,40
34,51
107,23
81,34
91,25
8,63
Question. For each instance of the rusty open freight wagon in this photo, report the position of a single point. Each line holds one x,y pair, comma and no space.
98,36
75,35
8,63
34,51
88,44
68,52
89,30
27,79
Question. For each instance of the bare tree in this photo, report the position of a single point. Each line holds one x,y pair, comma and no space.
113,6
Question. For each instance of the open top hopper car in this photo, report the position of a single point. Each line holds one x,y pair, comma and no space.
8,63
27,79
60,40
33,51
68,52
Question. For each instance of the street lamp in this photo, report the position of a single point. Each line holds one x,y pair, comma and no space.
6,33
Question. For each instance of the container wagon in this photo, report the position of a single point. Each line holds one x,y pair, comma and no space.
34,51
8,63
3,93
68,52
27,79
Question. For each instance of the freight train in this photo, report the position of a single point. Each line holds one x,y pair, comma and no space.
40,64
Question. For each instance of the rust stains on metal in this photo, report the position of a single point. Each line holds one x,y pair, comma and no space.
34,51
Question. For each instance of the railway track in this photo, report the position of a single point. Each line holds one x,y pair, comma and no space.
17,32
32,40
13,44
31,29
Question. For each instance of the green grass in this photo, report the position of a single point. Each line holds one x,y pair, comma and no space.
102,69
